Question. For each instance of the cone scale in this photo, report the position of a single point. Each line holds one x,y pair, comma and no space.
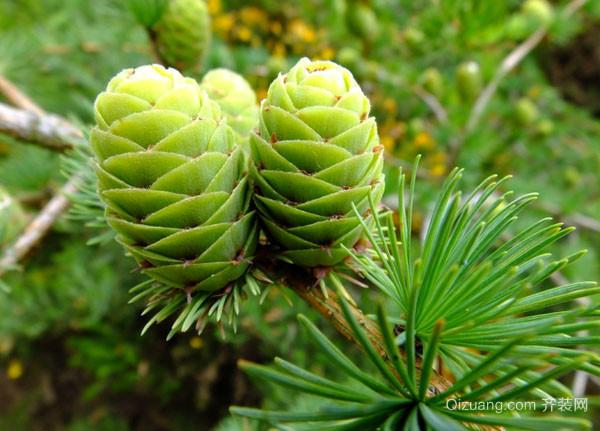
173,180
316,154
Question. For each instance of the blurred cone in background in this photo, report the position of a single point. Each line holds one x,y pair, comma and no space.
179,30
362,21
469,80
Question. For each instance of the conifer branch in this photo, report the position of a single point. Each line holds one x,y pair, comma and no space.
433,103
305,285
46,130
33,125
37,229
17,98
576,219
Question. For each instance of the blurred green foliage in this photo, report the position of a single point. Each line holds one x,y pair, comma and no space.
69,345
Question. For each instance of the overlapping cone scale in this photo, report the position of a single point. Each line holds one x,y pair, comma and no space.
183,33
316,154
174,182
236,99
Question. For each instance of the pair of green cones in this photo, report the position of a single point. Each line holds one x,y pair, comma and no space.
184,194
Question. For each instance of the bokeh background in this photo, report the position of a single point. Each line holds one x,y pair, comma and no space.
71,356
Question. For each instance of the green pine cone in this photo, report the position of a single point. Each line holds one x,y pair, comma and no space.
316,153
12,218
147,12
526,111
433,81
362,21
469,80
183,33
236,99
540,12
174,182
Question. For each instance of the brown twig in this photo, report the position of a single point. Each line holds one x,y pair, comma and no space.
303,283
38,228
17,97
432,102
43,128
576,219
46,130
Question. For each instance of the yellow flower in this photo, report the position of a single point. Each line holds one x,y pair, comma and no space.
275,27
196,342
389,104
388,142
423,141
327,53
437,170
14,369
214,6
302,31
244,34
223,24
252,15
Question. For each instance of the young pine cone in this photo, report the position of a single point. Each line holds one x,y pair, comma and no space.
173,179
317,152
182,34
